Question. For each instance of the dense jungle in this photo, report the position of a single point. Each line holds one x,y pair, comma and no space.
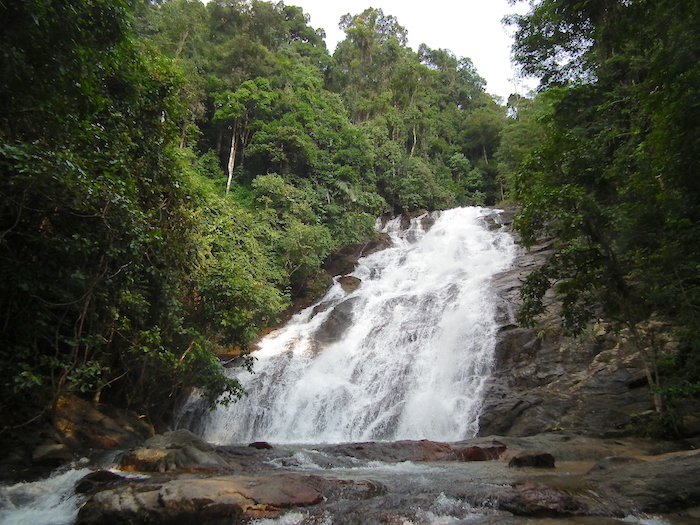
174,175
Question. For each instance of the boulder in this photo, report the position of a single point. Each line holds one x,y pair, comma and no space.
52,455
345,260
613,462
532,460
539,501
670,483
349,283
396,451
99,480
82,426
215,500
337,323
261,445
477,452
175,450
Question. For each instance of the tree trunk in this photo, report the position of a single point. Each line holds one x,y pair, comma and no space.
413,146
231,158
649,362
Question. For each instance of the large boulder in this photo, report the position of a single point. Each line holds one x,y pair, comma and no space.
532,460
395,451
476,450
539,501
175,450
215,500
349,283
52,455
337,323
670,483
345,260
81,425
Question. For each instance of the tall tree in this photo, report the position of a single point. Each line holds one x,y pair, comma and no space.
243,110
615,180
95,228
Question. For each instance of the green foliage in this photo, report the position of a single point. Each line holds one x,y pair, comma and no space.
95,241
301,244
616,178
173,174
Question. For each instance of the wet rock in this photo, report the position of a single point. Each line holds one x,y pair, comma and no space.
52,455
485,452
176,450
571,447
82,426
337,322
216,500
176,502
539,501
99,480
543,381
670,483
349,283
340,264
396,451
345,260
613,462
532,460
261,445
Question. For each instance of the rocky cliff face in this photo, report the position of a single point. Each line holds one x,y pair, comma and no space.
594,384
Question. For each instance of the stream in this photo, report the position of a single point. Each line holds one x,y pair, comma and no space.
403,356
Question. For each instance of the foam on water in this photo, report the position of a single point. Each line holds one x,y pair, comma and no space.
411,364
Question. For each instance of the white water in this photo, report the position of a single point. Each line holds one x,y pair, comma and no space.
411,365
50,501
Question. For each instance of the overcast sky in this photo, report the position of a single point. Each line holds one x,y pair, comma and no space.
468,28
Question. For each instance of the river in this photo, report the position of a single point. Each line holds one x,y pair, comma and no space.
403,356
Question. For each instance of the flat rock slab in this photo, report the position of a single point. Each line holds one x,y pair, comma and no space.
532,460
664,484
221,499
539,501
396,451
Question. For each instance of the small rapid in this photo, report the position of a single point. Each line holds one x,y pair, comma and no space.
403,356
50,501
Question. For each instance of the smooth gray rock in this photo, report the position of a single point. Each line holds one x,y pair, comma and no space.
176,450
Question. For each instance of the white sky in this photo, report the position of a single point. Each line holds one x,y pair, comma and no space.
468,28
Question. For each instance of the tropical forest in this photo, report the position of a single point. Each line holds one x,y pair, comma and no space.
175,176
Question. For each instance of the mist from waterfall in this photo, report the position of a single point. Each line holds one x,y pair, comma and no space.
404,356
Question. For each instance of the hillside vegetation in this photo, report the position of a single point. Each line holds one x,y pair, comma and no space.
174,174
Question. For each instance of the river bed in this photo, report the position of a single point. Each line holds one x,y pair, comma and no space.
396,493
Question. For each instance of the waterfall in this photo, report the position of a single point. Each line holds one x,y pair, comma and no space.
403,356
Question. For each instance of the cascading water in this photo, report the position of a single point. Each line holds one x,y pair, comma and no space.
47,502
404,356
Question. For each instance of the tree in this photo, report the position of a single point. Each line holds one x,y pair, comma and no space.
523,132
179,28
615,180
366,59
95,225
243,110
